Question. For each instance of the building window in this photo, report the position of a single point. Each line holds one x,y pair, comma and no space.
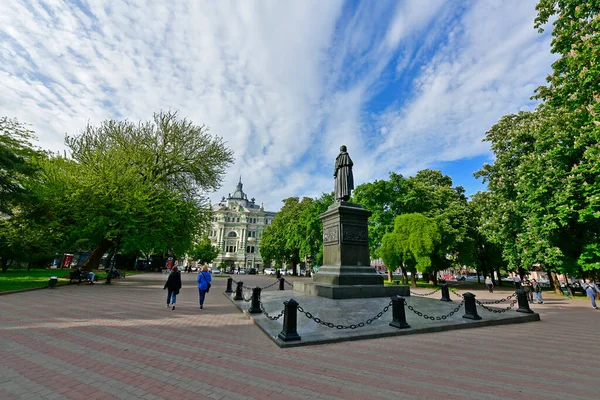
238,219
252,234
249,249
231,249
231,234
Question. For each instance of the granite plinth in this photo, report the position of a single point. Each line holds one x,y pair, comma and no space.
347,275
350,291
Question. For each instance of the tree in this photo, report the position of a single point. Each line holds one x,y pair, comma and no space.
144,184
203,251
429,193
310,224
16,154
283,240
411,244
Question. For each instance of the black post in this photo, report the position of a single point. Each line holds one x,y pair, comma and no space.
239,291
255,306
229,285
470,306
290,319
445,293
281,284
398,314
523,302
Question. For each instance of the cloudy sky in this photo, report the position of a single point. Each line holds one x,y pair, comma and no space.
405,84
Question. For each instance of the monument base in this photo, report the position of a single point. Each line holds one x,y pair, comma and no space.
351,291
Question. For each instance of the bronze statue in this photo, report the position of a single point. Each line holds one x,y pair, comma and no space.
344,180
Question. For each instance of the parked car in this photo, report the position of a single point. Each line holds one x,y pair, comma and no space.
460,277
241,271
269,271
252,271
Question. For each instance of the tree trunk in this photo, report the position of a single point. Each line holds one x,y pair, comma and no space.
413,279
389,274
553,281
499,277
404,276
4,264
96,255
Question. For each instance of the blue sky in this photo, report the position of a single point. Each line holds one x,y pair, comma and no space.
405,84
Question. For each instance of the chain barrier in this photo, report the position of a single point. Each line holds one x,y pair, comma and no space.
289,283
272,284
456,293
493,310
500,301
244,296
425,294
262,308
339,326
435,318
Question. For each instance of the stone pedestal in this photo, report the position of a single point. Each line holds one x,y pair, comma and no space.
346,271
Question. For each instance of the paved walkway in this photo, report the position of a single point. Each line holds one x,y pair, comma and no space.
119,341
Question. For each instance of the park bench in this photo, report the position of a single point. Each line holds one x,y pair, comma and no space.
83,276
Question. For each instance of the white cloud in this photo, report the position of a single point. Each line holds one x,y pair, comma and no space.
285,83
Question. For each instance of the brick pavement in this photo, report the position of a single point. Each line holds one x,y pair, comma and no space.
119,341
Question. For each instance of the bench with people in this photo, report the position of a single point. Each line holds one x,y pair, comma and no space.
80,275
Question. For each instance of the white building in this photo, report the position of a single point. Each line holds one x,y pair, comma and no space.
237,226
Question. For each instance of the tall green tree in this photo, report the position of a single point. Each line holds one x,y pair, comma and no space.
144,184
412,244
203,251
16,153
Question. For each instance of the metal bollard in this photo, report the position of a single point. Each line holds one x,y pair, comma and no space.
523,302
398,314
470,306
229,285
290,319
239,290
255,305
281,284
445,293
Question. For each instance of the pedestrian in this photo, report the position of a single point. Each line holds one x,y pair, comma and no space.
591,289
173,285
203,280
517,280
526,287
489,283
537,289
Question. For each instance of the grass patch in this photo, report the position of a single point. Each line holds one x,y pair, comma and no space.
19,279
422,285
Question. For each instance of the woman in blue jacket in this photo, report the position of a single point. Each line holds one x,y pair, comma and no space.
203,280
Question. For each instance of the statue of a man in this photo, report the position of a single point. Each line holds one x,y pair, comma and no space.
344,180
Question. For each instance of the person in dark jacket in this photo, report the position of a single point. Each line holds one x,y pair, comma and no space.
173,285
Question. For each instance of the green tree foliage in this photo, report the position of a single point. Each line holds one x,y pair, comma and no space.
283,240
203,251
412,243
145,183
16,154
429,193
545,182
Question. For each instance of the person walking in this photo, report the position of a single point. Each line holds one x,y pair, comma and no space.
517,280
173,284
203,280
537,289
526,286
489,283
591,289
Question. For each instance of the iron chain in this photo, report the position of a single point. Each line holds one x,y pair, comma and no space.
262,308
425,294
431,317
340,326
501,300
493,310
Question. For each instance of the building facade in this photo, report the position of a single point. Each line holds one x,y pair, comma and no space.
236,229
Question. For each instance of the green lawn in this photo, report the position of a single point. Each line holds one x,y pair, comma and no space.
17,279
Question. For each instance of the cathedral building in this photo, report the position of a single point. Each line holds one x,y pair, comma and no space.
236,229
